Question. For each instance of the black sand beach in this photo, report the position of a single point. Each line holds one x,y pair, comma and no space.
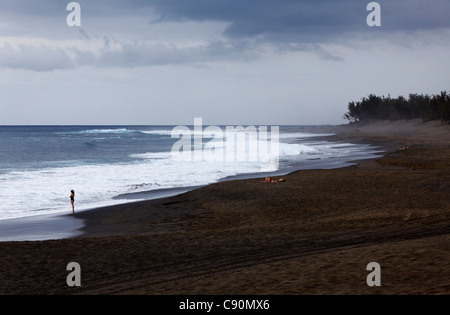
313,234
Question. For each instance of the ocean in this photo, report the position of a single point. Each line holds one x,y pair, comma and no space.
106,165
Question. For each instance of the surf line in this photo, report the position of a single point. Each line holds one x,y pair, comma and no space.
235,143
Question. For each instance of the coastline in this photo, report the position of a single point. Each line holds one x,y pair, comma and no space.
66,225
40,228
313,234
388,136
112,220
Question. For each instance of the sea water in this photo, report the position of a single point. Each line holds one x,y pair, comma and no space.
40,165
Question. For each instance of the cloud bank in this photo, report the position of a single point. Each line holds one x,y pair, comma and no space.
119,33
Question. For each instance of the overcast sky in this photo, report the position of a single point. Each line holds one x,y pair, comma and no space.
270,62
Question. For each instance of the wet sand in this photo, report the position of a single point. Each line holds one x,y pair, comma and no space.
313,234
40,227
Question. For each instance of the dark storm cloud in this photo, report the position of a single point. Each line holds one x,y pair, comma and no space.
307,21
293,25
271,20
26,7
285,20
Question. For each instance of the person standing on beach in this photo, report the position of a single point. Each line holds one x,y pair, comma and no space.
72,200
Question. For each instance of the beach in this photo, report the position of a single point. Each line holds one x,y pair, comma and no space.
315,233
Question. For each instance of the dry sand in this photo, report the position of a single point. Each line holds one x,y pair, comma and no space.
313,234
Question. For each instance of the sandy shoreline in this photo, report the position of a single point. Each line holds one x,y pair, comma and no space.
40,227
313,234
66,225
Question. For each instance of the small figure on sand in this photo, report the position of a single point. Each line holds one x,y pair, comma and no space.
72,200
404,148
270,180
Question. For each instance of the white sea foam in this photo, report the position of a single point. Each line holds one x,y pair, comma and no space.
162,132
99,131
119,130
302,135
45,191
